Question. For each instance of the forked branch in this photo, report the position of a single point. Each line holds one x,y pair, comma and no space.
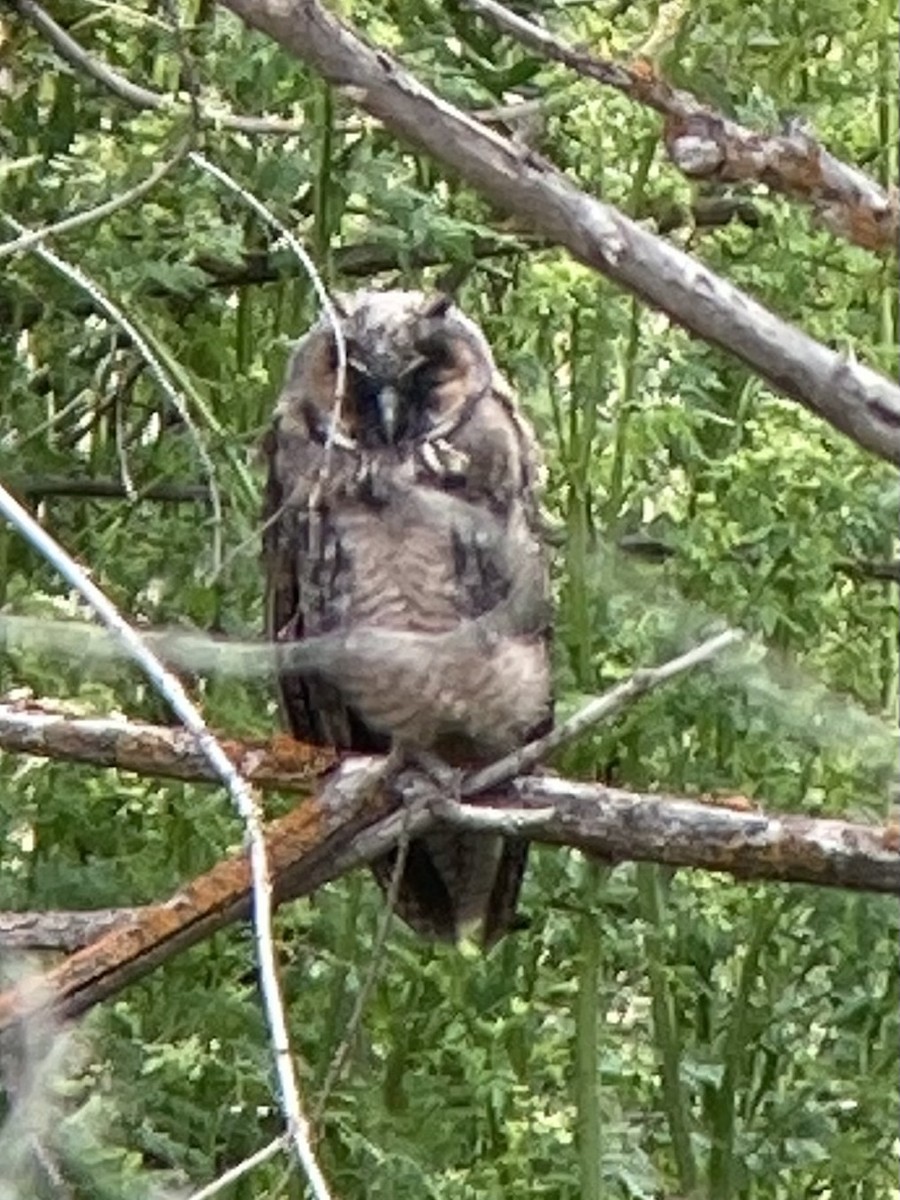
352,820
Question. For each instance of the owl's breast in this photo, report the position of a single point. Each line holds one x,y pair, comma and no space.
401,572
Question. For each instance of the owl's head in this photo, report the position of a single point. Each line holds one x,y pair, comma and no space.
415,364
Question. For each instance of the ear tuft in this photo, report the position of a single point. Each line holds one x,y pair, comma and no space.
438,306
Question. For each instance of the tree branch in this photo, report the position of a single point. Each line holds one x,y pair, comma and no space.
315,842
352,820
359,261
656,550
155,750
601,708
143,98
703,144
854,399
62,930
39,487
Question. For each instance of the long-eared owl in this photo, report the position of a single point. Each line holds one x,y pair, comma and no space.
404,515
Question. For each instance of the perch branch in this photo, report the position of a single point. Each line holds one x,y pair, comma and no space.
350,822
858,401
703,144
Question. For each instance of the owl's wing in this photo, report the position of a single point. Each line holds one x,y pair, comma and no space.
313,708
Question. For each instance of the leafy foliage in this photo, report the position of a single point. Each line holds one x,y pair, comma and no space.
651,1033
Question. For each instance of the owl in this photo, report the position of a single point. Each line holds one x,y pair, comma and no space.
401,527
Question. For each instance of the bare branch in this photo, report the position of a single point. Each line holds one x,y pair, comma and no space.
155,750
743,842
297,249
39,487
350,822
140,97
65,930
362,260
705,145
344,826
242,1168
171,690
884,572
854,399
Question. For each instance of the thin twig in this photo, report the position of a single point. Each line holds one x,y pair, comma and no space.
112,310
242,1168
242,795
27,240
296,247
140,97
340,374
339,1061
599,709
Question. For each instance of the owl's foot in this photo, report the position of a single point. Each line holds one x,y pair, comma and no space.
446,781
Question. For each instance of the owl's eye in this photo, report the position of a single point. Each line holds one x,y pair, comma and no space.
422,375
436,347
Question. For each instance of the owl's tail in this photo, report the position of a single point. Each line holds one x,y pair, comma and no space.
458,885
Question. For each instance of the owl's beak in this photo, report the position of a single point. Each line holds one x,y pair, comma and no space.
389,408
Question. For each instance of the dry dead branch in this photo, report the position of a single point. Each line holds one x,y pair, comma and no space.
352,819
705,145
858,401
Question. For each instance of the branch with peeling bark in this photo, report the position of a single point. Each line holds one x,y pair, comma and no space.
856,400
352,819
703,144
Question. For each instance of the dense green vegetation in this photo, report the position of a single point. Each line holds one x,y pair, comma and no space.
652,1034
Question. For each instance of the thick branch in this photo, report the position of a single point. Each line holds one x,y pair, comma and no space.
705,145
317,841
156,750
854,399
64,930
346,824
